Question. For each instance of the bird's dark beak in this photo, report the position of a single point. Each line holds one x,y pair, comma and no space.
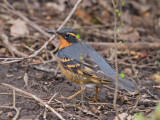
52,31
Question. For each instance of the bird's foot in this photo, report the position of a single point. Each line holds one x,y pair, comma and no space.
94,99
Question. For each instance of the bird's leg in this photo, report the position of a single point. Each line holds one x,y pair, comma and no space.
72,96
96,95
94,99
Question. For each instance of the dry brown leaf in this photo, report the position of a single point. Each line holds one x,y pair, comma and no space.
84,16
95,110
127,71
157,77
128,33
18,28
60,6
141,8
123,115
134,36
123,99
105,18
137,21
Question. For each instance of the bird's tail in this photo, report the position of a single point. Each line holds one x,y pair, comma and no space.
126,84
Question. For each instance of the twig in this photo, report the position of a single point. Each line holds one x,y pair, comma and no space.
152,95
10,47
16,95
71,115
13,107
7,62
10,59
45,69
56,71
52,98
137,89
35,98
133,67
145,100
130,46
70,14
116,64
45,111
29,8
16,109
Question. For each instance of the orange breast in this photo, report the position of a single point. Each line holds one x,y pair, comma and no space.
63,43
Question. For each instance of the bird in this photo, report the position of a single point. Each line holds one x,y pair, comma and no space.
81,64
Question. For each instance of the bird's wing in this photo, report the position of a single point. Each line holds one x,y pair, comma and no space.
93,65
86,67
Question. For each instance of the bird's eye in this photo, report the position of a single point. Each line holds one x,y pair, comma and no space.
67,35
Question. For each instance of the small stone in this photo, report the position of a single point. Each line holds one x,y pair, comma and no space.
1,112
9,114
127,71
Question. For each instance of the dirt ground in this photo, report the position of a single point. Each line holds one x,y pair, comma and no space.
94,21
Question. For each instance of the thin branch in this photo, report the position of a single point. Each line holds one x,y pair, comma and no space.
116,64
130,46
13,106
70,14
14,98
10,47
35,98
137,88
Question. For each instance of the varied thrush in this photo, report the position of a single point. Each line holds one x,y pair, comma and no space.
80,63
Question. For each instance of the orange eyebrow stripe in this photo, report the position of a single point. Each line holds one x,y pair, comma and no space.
72,34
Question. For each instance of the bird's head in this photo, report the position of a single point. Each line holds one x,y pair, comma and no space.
67,37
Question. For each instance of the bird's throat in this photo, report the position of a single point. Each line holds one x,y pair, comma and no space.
63,43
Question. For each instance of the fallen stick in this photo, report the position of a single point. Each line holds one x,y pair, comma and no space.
35,98
13,107
122,46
